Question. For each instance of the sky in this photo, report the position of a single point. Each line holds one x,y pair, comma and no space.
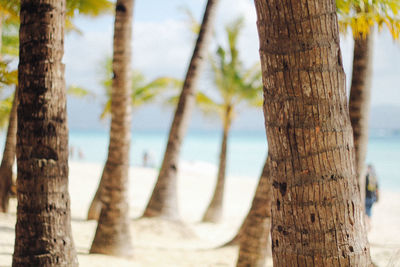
162,46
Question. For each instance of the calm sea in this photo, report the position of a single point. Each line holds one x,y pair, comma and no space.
246,151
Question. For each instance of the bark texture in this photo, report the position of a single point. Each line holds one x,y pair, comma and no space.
163,201
8,160
254,239
43,229
317,217
359,105
214,210
112,234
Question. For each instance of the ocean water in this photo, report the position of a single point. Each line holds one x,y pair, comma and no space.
246,151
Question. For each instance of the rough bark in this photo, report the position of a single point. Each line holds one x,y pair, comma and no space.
359,105
95,205
214,210
317,217
163,201
8,159
253,242
112,234
43,229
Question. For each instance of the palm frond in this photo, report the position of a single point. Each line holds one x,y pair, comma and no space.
10,10
91,8
191,20
79,92
207,105
143,92
361,15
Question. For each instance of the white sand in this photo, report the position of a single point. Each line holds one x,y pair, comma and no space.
161,243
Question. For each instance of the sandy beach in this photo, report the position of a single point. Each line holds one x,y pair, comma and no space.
191,243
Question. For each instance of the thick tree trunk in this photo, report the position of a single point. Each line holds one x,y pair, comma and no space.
95,205
317,217
214,210
43,229
163,201
113,235
360,94
8,157
253,242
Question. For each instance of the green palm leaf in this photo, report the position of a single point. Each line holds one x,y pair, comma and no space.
143,92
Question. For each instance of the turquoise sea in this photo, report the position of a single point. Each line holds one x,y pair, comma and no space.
247,151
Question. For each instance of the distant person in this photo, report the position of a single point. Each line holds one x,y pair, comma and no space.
145,158
80,154
371,191
148,159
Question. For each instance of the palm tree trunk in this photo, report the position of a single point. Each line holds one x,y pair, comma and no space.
113,235
359,105
163,201
96,205
257,225
43,229
317,217
214,209
8,157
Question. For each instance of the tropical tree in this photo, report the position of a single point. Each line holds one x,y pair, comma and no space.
112,233
317,216
362,16
9,19
142,92
9,10
235,85
43,229
163,201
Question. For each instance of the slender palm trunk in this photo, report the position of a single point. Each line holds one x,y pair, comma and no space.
43,229
9,147
317,217
95,205
8,157
359,105
113,235
163,201
254,238
214,209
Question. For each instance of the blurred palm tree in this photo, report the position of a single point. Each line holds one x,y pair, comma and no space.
362,16
142,92
236,85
